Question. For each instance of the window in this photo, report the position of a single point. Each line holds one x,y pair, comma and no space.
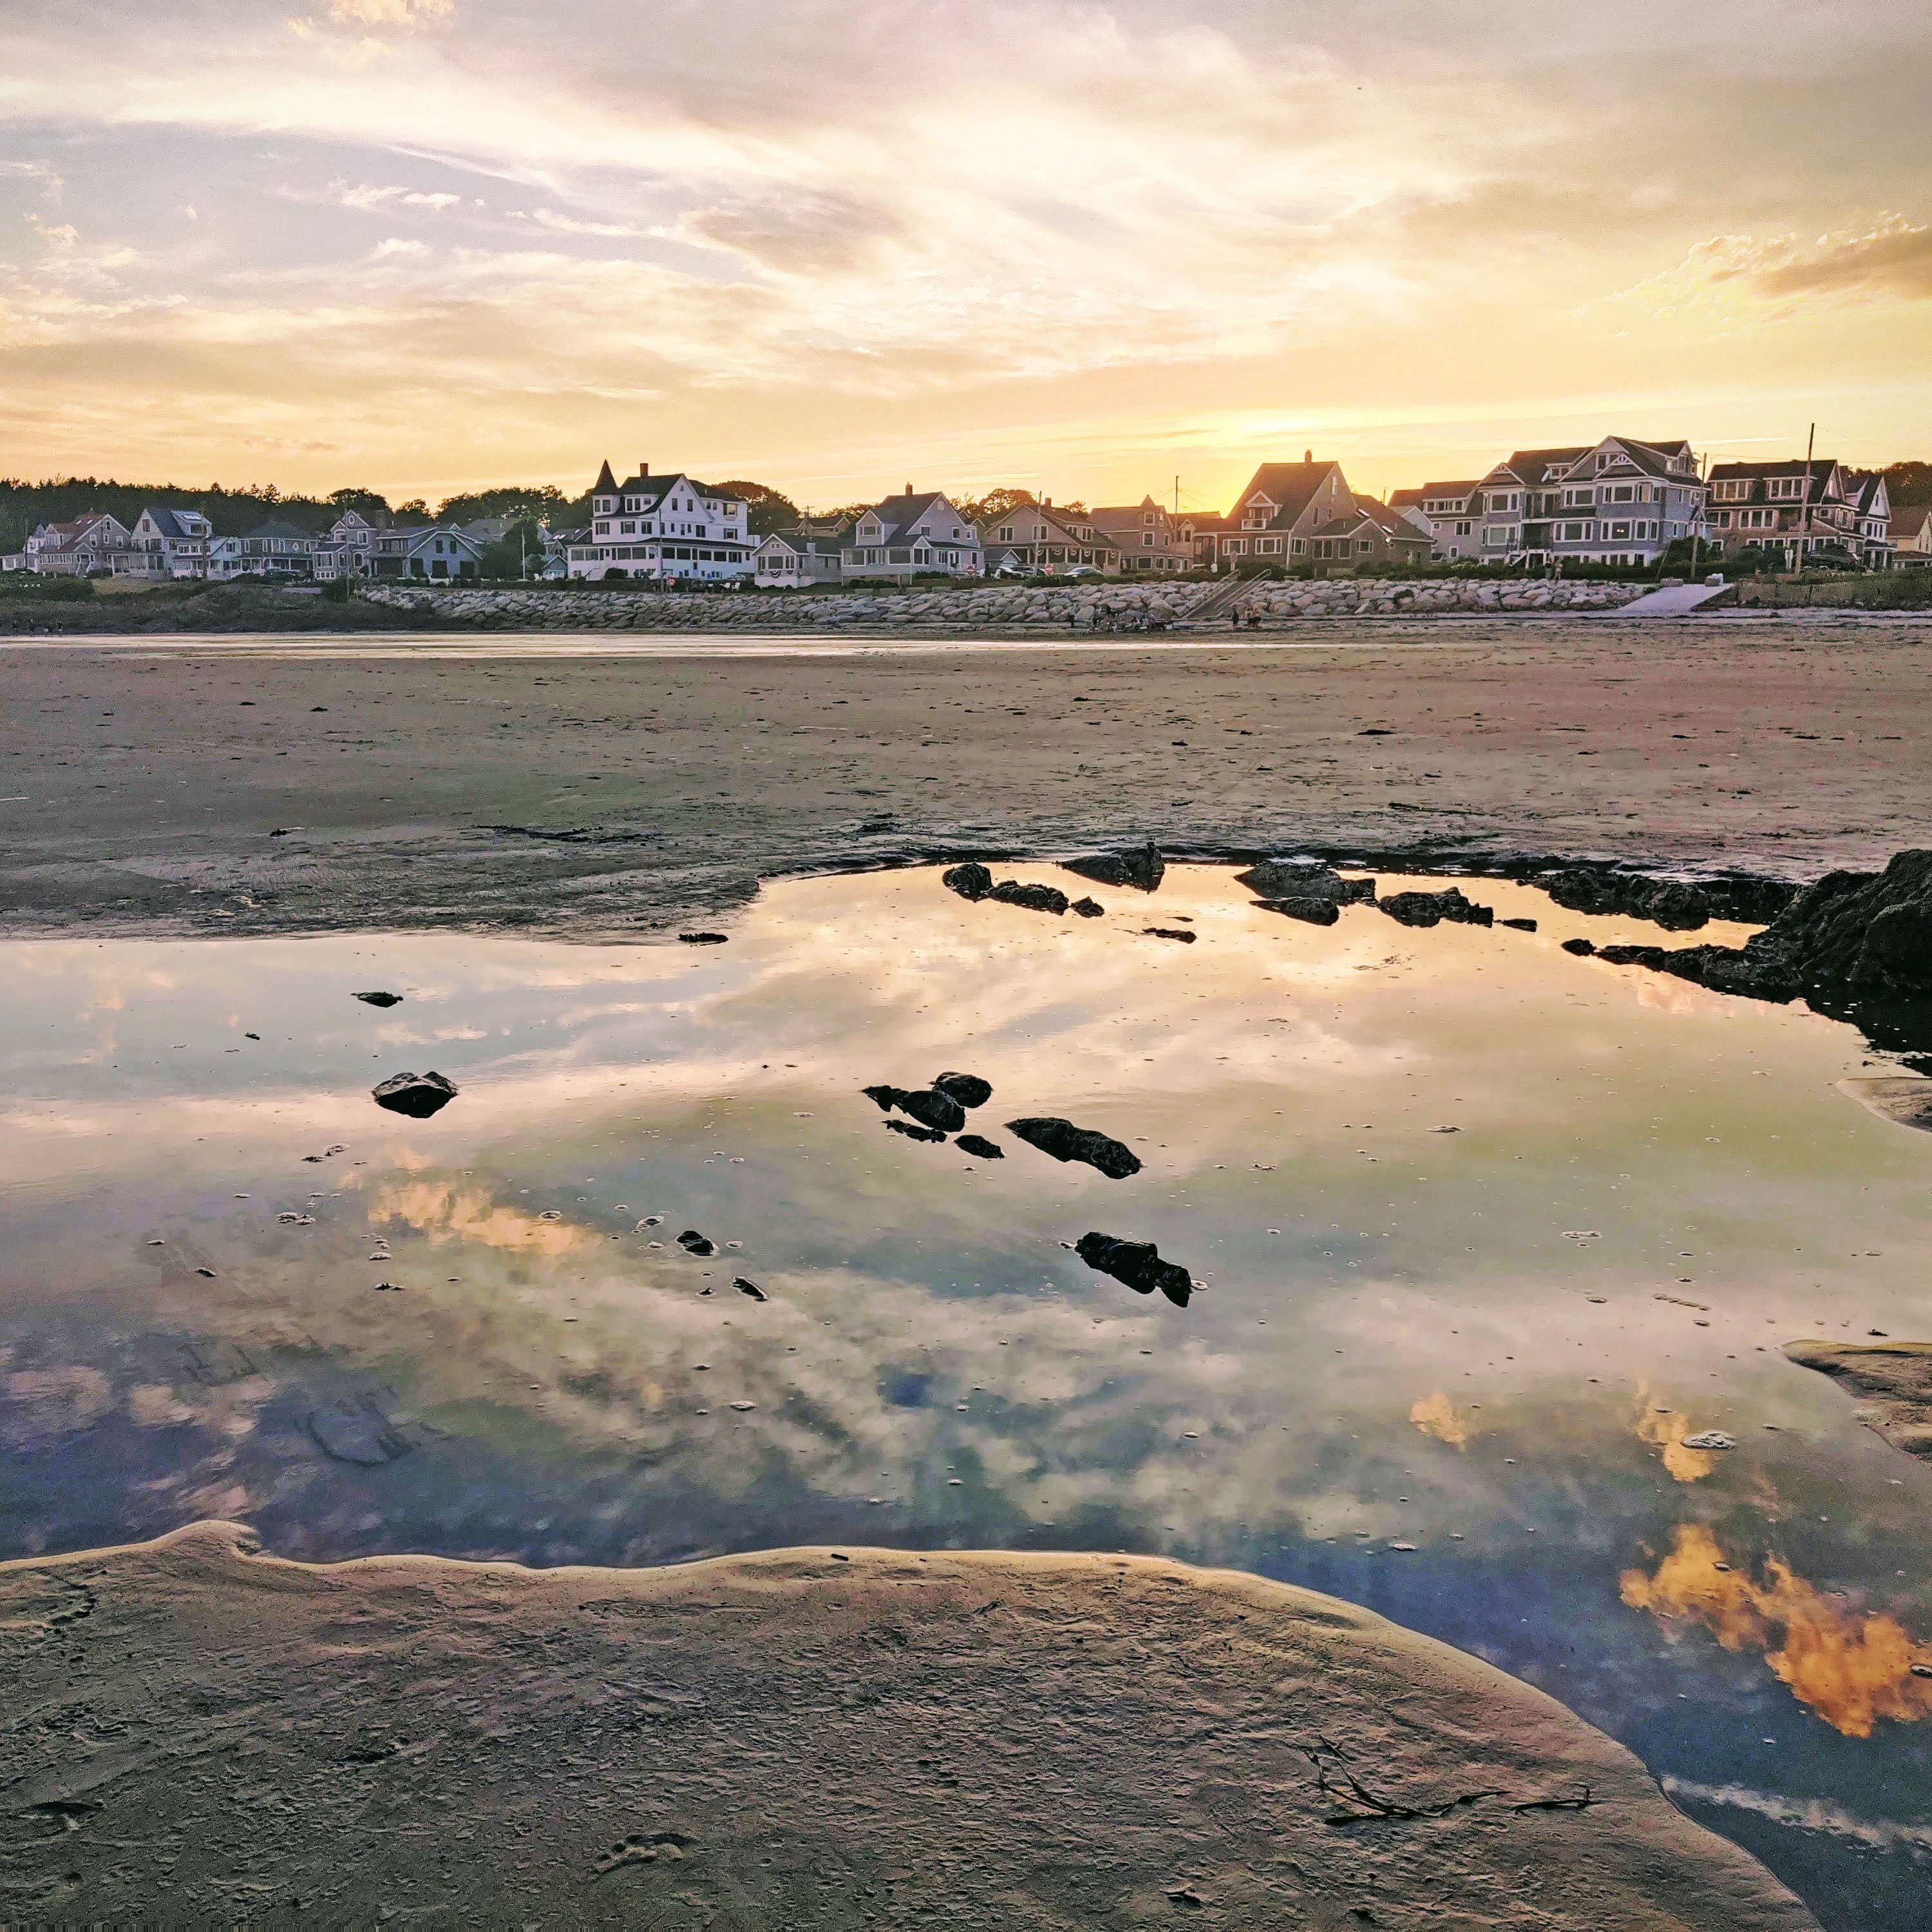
1620,532
1463,530
1757,519
1505,502
1574,533
1147,540
1579,500
1267,546
1500,536
1621,492
1785,488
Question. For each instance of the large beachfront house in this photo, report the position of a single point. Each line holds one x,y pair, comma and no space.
428,551
1274,519
1817,508
1618,501
95,542
275,549
175,542
668,528
912,535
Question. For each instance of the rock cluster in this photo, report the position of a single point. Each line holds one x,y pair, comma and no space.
1357,597
1673,903
1433,908
1137,1265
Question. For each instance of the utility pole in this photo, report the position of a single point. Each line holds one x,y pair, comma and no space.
1805,517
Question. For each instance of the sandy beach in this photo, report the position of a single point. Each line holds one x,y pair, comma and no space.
348,784
202,1734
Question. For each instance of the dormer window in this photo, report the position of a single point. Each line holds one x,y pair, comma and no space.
1785,488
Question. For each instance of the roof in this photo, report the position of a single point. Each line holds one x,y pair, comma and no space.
1391,522
1540,466
1408,499
806,543
1910,523
899,514
277,531
654,489
606,482
167,521
1291,487
1822,469
1655,457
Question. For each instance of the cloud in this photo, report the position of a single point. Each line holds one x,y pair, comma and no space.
1851,1668
1436,1415
1664,1429
549,219
366,199
392,13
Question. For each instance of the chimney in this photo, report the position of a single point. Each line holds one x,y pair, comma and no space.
908,489
1308,456
643,469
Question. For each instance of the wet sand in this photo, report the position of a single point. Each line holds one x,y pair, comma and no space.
1892,1380
341,783
199,1733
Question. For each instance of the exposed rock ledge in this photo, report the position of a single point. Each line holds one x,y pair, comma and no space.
199,1734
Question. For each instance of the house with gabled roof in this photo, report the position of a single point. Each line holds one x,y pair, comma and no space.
1274,518
1199,533
275,549
1805,507
1046,539
1145,538
1448,513
175,542
94,542
668,527
433,552
1872,499
1619,501
914,534
1909,535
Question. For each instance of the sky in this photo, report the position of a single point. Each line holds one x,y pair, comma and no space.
1086,247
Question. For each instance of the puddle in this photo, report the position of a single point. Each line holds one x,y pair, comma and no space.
1493,1250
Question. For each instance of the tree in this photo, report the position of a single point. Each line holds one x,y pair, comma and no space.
415,507
1908,484
522,541
515,503
994,503
770,509
367,505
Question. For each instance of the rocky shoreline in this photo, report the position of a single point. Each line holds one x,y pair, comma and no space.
1101,607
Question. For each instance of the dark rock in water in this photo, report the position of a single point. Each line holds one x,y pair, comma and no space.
417,1095
1893,1379
1583,948
1142,868
1170,932
1034,898
1137,1264
1311,911
1303,879
1673,904
970,881
380,999
750,1288
1723,969
705,938
1065,1141
1868,932
1519,924
1089,908
980,1147
968,1089
914,1133
1427,909
693,1243
926,1105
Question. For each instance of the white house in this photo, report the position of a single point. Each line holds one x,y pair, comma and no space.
174,541
668,528
913,535
791,559
273,549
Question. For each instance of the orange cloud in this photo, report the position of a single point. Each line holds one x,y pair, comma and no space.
447,1213
1436,1415
1665,1431
1851,1668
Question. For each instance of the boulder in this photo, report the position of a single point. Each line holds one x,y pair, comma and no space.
1673,904
1303,879
1066,1142
970,881
693,1243
1427,909
1170,932
980,1147
1034,898
1581,948
1136,1264
1088,908
1141,867
380,999
914,1133
417,1095
926,1105
968,1089
1519,924
1313,911
1864,931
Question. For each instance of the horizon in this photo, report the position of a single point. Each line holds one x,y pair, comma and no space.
1096,246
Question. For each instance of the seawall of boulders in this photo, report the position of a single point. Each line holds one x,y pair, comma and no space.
1096,607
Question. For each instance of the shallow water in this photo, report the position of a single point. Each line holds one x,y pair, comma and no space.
1449,1375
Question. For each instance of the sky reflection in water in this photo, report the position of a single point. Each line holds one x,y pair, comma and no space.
1448,1374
